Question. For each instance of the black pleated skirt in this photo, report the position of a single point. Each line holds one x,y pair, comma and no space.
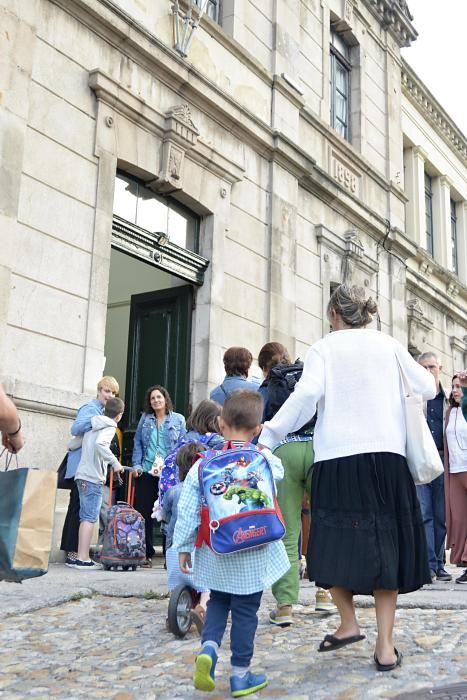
366,531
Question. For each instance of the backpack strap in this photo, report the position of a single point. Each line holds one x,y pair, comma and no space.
223,389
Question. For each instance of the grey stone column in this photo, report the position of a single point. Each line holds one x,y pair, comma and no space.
18,22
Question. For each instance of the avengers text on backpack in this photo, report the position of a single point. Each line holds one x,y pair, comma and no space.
124,542
281,383
239,506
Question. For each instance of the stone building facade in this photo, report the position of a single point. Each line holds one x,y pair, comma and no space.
160,202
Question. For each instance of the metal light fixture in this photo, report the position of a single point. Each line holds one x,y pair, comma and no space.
162,238
185,23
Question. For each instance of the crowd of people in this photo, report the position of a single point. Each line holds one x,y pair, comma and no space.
337,437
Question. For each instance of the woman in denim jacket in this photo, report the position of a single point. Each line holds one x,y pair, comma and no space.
158,431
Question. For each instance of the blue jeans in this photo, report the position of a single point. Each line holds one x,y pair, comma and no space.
90,499
431,498
243,609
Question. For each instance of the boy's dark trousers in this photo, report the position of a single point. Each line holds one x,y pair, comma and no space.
243,609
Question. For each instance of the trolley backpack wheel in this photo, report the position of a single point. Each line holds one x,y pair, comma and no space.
179,612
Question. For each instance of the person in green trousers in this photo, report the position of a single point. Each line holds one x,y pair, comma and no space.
296,454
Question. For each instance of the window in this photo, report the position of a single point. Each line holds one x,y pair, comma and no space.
429,214
141,206
455,266
340,85
210,7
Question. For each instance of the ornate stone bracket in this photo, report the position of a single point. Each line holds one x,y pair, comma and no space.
180,136
354,265
419,326
394,15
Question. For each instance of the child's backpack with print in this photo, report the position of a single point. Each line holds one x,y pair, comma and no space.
239,505
124,541
169,473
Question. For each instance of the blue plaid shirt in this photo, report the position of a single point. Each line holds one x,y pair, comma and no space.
243,572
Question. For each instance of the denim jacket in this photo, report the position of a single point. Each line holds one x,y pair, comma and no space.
173,428
81,425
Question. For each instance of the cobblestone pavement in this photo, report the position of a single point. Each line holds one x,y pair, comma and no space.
112,647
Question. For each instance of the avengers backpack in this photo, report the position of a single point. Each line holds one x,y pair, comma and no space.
239,505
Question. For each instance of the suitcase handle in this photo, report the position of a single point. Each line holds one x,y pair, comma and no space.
130,494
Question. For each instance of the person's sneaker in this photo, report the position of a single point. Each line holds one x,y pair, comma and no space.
443,575
281,616
432,575
324,602
463,578
247,684
86,565
205,667
71,558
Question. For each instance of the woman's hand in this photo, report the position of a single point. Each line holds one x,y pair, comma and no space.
462,375
137,471
13,443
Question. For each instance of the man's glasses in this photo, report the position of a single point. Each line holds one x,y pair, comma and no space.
430,366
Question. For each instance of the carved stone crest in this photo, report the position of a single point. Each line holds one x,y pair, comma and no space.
419,326
180,136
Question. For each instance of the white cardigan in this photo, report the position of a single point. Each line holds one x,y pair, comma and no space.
351,377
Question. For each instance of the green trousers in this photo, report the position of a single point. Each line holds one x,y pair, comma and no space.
297,458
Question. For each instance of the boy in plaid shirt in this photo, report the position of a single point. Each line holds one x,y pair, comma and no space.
236,580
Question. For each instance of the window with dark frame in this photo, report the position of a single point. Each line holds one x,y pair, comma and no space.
139,205
340,71
212,8
429,214
455,263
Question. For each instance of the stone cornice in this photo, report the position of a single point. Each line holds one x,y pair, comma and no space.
415,91
394,15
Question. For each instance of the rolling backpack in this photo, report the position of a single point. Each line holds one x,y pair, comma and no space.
124,541
239,506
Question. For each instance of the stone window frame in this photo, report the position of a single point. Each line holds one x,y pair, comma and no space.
213,9
343,62
454,237
429,227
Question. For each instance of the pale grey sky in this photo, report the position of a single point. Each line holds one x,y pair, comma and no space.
438,55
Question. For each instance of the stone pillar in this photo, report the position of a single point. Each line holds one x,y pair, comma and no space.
18,22
442,221
415,190
395,147
283,218
462,241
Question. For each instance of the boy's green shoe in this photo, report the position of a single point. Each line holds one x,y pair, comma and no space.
205,666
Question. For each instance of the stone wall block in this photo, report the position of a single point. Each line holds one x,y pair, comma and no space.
35,307
54,363
52,212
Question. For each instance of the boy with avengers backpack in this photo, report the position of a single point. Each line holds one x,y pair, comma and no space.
236,580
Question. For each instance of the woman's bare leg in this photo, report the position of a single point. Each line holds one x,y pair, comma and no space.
385,604
344,601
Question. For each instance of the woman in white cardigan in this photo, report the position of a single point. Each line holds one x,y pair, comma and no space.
367,535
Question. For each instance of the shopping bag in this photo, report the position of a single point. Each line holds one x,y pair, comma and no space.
27,508
422,455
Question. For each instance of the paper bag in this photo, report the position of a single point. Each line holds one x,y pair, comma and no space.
27,509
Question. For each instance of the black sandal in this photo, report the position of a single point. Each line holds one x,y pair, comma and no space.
388,667
330,642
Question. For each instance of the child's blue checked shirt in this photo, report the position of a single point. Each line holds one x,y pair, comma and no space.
243,572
